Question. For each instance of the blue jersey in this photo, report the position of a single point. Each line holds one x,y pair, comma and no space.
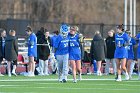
132,42
32,45
74,50
120,40
61,45
138,50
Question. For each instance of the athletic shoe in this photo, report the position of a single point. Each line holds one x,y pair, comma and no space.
119,79
80,77
130,77
126,77
14,74
9,74
31,74
1,74
99,73
74,81
46,74
64,81
41,74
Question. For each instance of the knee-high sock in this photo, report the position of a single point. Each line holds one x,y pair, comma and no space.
132,67
41,66
46,67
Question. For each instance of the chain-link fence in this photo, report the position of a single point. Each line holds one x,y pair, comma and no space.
86,29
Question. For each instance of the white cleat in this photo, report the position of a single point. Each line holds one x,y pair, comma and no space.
74,81
119,79
126,77
9,74
1,75
41,74
99,73
130,77
14,74
29,74
80,77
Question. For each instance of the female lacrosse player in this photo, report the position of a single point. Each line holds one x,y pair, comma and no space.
32,50
121,52
75,52
62,52
138,53
130,58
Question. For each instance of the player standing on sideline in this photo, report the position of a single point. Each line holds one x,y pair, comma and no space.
32,50
62,52
2,46
44,52
130,58
98,50
138,53
75,52
11,52
110,44
121,52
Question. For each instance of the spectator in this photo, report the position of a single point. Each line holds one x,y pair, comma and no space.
98,50
32,50
39,35
75,52
11,52
62,53
121,52
44,52
2,46
110,43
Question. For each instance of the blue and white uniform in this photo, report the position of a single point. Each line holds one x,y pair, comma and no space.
121,50
74,50
32,45
132,42
138,50
62,53
61,45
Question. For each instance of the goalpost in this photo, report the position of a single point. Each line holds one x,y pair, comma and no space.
132,16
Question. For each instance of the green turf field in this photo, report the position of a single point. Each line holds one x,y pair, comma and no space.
49,84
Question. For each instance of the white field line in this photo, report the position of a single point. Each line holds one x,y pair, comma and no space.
7,80
90,84
68,88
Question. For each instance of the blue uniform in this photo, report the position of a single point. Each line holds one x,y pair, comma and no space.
132,42
32,45
61,45
120,40
138,50
74,50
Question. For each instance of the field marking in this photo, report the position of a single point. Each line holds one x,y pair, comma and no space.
78,88
7,80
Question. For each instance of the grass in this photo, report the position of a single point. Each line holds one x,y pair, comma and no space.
89,84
